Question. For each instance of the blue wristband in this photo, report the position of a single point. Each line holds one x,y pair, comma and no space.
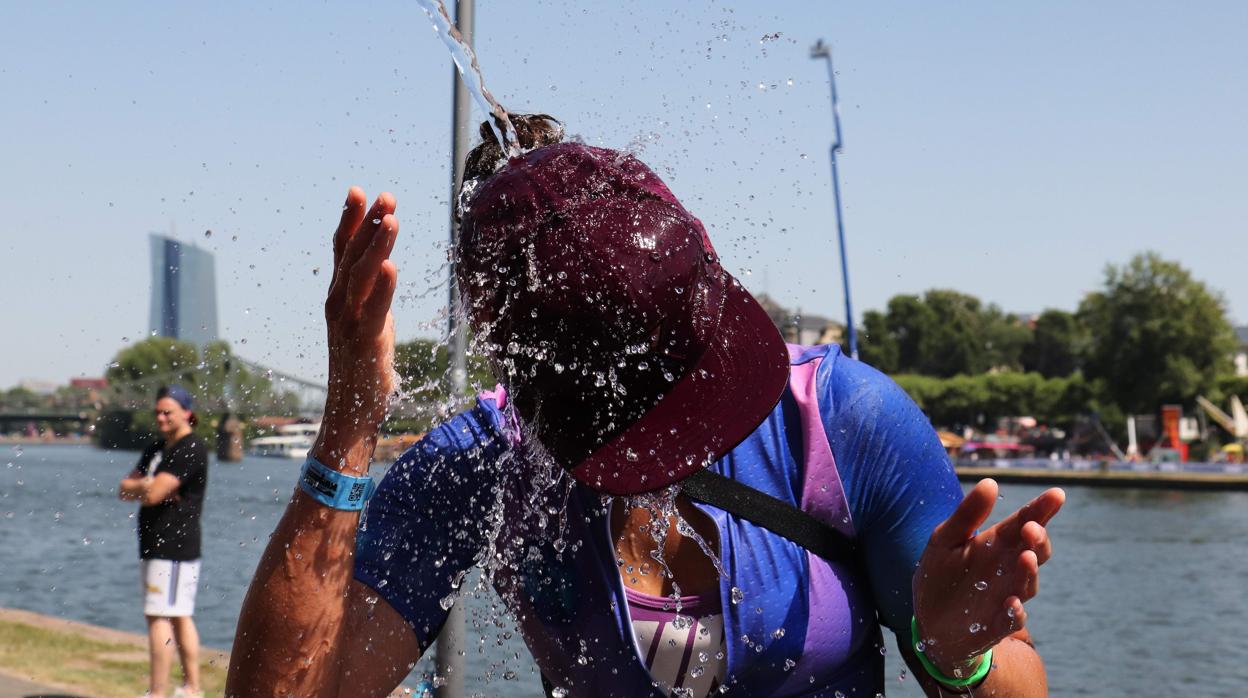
334,489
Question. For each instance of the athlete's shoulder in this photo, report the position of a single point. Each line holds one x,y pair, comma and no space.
848,386
479,430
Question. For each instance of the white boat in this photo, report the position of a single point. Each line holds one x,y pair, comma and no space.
291,441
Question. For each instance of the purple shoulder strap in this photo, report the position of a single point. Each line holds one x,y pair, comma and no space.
821,523
823,497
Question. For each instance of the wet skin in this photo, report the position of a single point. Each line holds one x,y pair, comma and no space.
693,571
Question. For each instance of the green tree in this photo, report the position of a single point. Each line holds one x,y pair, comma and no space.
139,370
943,333
910,321
422,365
966,400
17,398
1057,344
878,345
1155,334
1004,339
952,343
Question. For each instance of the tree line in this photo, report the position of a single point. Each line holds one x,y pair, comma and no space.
218,383
1151,335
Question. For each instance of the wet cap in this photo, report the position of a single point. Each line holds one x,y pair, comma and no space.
178,393
634,356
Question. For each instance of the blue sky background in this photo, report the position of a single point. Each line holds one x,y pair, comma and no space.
1007,150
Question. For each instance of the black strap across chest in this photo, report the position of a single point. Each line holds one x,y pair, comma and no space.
775,515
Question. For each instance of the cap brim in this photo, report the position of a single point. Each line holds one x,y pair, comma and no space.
720,401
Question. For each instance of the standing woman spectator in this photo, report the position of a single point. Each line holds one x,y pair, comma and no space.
169,483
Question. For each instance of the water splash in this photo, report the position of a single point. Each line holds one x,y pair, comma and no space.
465,62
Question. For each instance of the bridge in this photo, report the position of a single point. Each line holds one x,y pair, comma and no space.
13,419
136,394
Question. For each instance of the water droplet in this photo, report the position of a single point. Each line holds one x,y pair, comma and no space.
981,585
975,627
737,595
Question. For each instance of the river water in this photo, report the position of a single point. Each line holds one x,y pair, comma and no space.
1147,593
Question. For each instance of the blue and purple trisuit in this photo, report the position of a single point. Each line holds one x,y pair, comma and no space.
845,444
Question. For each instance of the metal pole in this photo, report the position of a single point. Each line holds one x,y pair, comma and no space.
822,50
449,662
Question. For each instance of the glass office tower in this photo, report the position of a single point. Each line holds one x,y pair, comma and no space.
184,291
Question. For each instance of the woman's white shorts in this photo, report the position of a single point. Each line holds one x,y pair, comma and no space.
169,587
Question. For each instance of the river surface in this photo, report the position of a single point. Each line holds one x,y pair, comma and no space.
1147,593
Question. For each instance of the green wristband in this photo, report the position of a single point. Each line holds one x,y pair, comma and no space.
978,675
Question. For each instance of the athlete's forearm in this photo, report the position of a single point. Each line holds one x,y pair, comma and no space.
1017,672
290,626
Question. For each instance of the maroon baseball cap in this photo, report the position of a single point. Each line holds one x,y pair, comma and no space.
632,355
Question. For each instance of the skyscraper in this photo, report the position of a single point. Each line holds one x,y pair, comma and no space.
184,291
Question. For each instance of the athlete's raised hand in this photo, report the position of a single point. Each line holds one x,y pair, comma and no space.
361,331
969,587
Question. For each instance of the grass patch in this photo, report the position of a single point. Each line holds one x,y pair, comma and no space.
93,667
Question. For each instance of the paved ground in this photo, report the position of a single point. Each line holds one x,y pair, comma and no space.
12,687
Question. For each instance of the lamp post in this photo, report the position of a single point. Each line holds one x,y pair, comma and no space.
822,50
449,658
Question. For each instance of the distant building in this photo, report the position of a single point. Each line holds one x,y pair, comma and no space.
798,328
184,291
1241,351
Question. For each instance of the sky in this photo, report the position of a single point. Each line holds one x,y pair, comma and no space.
1006,150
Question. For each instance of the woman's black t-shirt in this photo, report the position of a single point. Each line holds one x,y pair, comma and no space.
170,530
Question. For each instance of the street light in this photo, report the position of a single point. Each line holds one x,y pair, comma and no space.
822,50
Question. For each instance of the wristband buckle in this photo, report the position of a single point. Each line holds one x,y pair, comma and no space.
334,489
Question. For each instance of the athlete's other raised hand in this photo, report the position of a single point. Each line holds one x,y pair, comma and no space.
361,332
969,587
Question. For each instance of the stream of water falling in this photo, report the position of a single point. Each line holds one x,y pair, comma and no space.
470,73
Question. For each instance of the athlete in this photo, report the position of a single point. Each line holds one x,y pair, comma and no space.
669,499
169,483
